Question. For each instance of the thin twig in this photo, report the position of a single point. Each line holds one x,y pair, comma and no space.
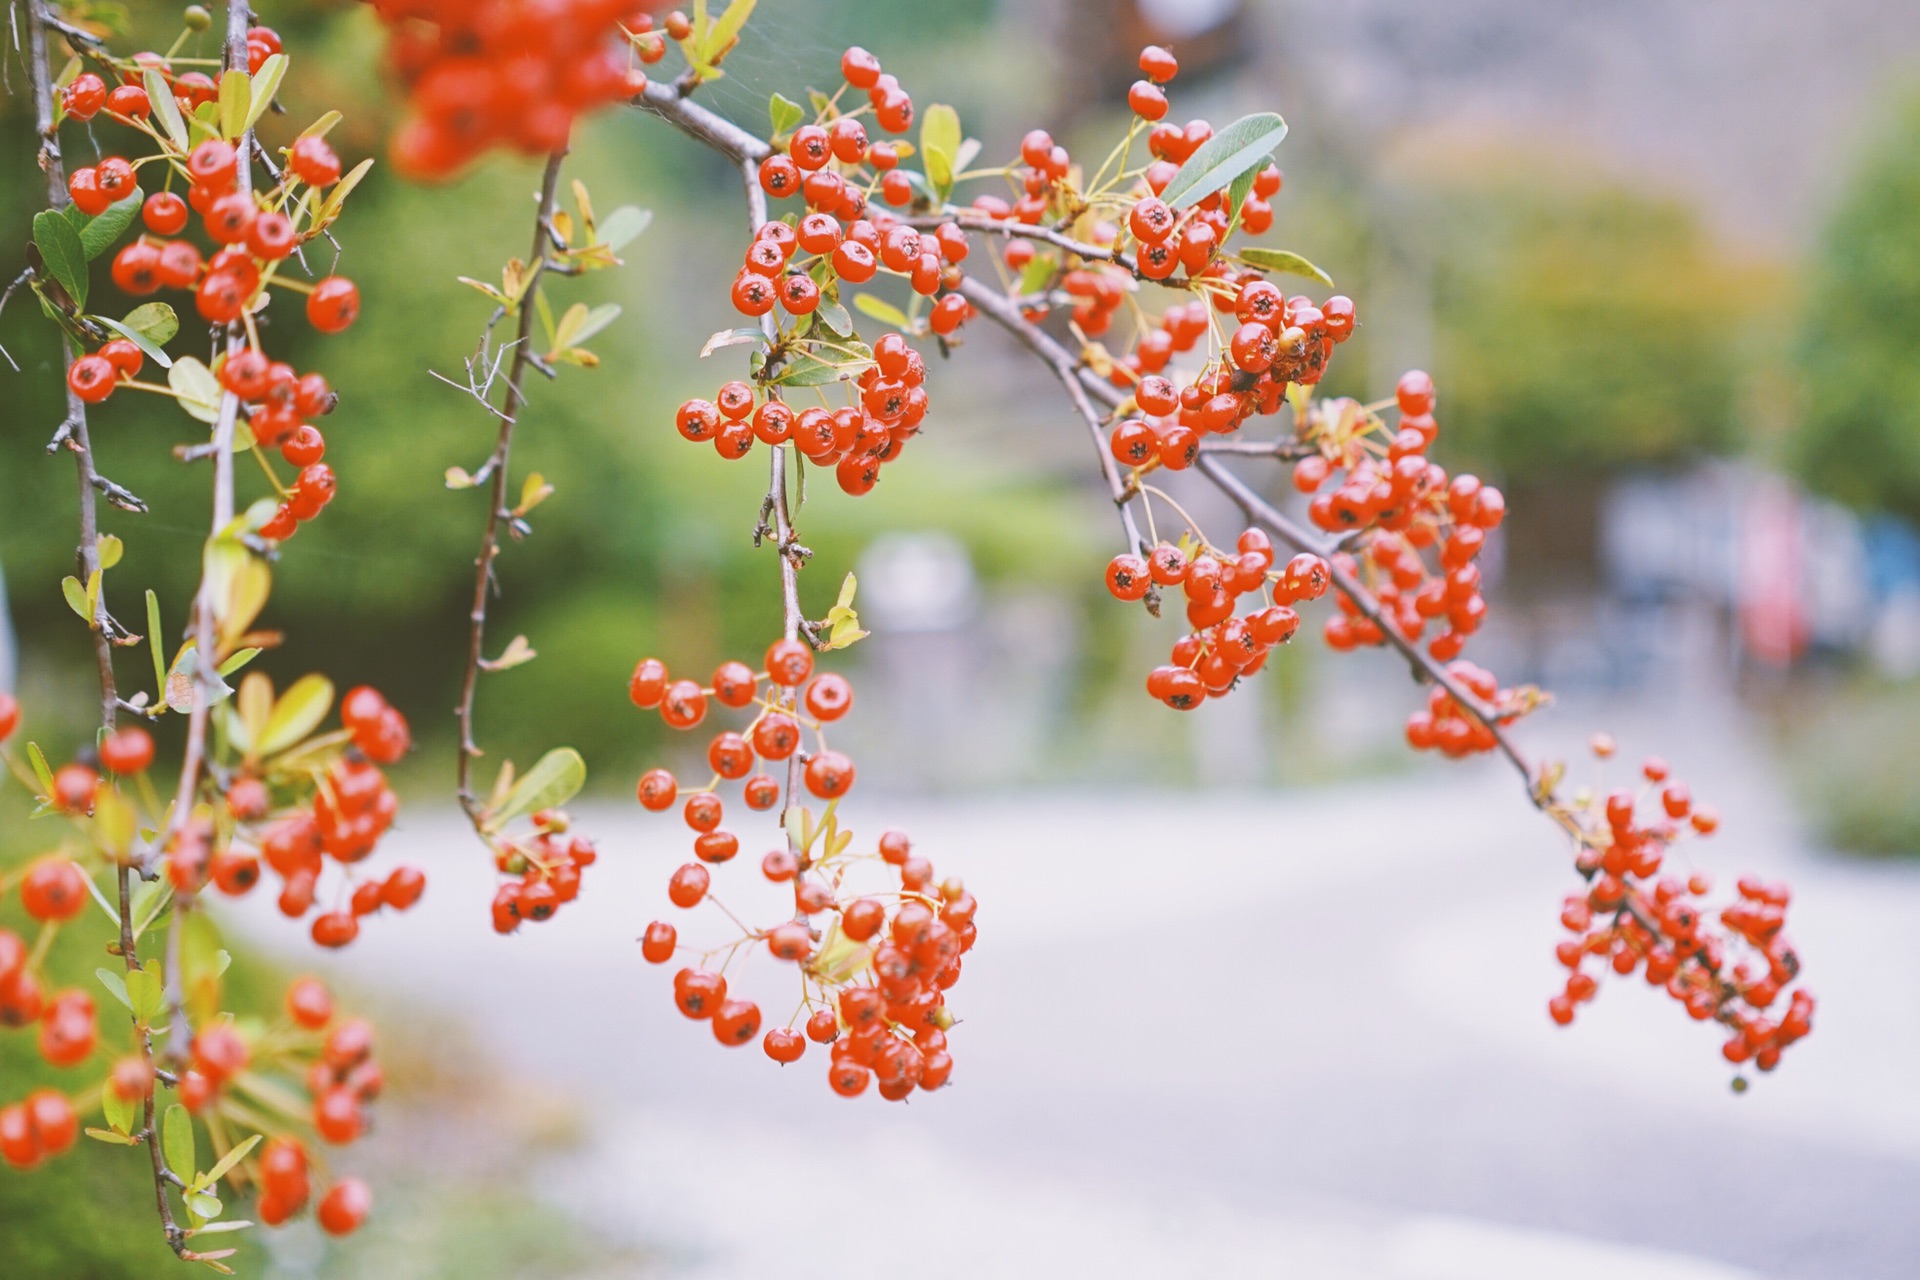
497,464
990,302
978,220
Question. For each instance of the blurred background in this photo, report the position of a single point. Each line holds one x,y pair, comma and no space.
1664,265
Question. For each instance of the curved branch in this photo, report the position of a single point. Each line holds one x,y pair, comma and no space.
1066,367
703,126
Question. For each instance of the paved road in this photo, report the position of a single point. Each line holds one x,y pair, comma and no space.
1231,1034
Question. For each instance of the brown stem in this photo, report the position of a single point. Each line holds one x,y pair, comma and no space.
75,436
975,220
995,305
497,464
74,430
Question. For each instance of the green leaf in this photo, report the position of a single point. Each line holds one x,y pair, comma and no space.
785,113
150,901
623,224
833,317
882,310
807,370
204,1203
120,1112
146,993
1237,193
555,779
98,235
196,387
726,29
116,986
110,550
264,86
166,109
236,102
580,324
147,326
297,713
38,759
107,1135
732,337
237,660
176,1140
61,249
232,1158
76,598
1240,146
153,643
1038,272
940,141
1281,260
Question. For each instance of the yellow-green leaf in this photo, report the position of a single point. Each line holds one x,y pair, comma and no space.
940,140
554,779
76,598
236,102
260,94
298,713
119,1111
166,109
110,549
176,1141
321,127
196,387
1281,260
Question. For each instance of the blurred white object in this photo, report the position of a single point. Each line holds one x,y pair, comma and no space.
1895,643
1184,19
916,582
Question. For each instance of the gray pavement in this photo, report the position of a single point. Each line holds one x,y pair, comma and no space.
1224,1034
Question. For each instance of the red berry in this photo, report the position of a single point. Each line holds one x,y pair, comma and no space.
345,1207
333,304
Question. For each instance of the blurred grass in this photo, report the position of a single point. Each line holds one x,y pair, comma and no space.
1852,762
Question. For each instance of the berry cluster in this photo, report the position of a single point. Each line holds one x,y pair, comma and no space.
1221,648
254,233
41,1125
128,102
1660,926
874,964
514,73
334,1057
855,440
548,866
1456,730
350,806
258,779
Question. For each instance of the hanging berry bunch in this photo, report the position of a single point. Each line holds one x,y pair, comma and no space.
1733,966
876,954
512,73
236,220
1133,283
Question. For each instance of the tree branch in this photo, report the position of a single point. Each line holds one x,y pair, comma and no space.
497,464
1065,366
74,428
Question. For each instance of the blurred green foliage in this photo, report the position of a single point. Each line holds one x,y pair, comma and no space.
1859,436
1852,762
1579,324
646,546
